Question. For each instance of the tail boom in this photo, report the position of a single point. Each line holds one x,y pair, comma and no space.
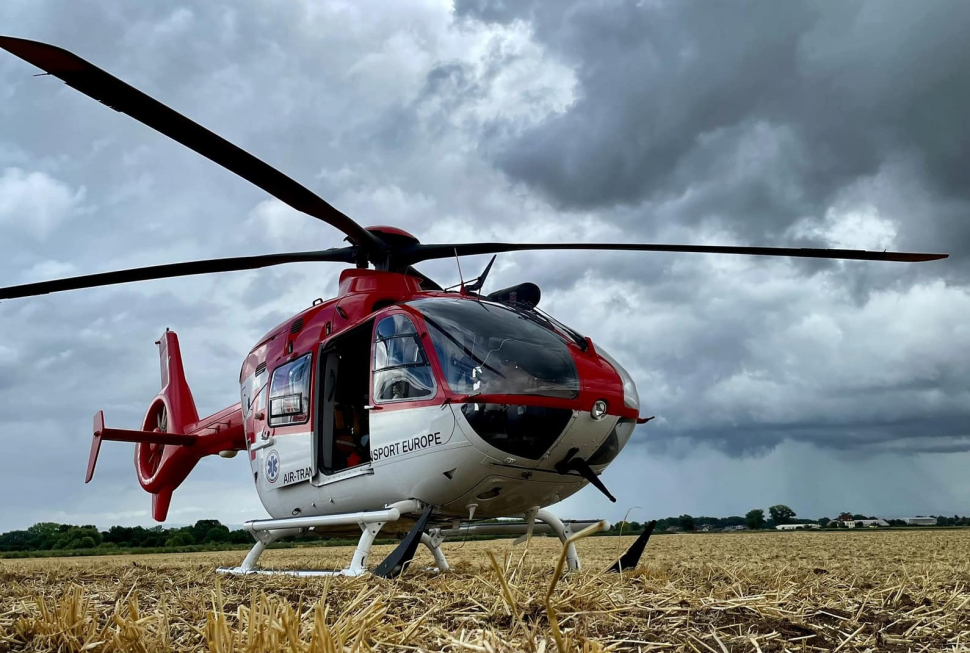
215,434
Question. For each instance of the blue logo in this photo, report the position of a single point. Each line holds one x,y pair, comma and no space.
272,466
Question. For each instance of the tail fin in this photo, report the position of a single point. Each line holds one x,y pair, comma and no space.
180,404
172,438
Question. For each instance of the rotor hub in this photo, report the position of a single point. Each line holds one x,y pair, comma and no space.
394,237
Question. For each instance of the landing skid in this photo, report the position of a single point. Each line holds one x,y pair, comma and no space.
546,522
549,524
267,531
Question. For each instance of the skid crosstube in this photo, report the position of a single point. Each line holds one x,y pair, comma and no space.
630,559
395,563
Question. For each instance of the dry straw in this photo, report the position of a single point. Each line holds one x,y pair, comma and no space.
876,591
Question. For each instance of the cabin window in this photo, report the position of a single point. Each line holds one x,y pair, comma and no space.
401,368
289,394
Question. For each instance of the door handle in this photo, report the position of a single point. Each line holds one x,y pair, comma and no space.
370,407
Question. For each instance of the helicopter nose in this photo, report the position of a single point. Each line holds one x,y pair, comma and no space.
516,431
537,437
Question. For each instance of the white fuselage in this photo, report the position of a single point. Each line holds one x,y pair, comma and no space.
426,453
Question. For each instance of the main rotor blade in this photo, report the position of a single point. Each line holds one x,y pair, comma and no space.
433,251
109,90
341,255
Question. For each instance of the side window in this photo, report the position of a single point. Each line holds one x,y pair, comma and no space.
401,369
289,394
250,387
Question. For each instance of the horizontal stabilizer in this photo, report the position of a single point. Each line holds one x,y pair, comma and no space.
127,435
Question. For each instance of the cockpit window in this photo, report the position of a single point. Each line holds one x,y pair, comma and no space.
486,348
401,369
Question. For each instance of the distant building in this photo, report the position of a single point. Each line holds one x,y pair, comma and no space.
867,523
706,528
797,527
728,529
921,521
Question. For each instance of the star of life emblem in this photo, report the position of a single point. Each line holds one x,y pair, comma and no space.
272,466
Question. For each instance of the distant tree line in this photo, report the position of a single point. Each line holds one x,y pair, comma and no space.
753,520
757,519
50,536
210,533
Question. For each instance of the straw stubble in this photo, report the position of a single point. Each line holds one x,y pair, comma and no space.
904,591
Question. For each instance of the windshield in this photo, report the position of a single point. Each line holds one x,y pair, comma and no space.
486,348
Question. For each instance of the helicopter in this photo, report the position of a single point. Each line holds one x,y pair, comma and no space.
397,404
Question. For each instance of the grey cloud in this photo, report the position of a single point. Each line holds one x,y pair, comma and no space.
505,121
752,115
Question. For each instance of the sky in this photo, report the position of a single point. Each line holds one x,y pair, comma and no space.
826,386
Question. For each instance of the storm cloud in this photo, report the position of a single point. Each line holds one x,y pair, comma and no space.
833,124
753,116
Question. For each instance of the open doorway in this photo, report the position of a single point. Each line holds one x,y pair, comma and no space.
343,433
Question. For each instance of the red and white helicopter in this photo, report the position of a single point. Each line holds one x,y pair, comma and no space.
396,401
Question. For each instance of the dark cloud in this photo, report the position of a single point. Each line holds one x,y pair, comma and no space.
804,124
750,115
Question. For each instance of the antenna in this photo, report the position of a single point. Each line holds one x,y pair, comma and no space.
476,285
460,277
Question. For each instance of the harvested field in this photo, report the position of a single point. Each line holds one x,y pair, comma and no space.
798,591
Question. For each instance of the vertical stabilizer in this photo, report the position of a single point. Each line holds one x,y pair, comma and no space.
160,503
181,405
